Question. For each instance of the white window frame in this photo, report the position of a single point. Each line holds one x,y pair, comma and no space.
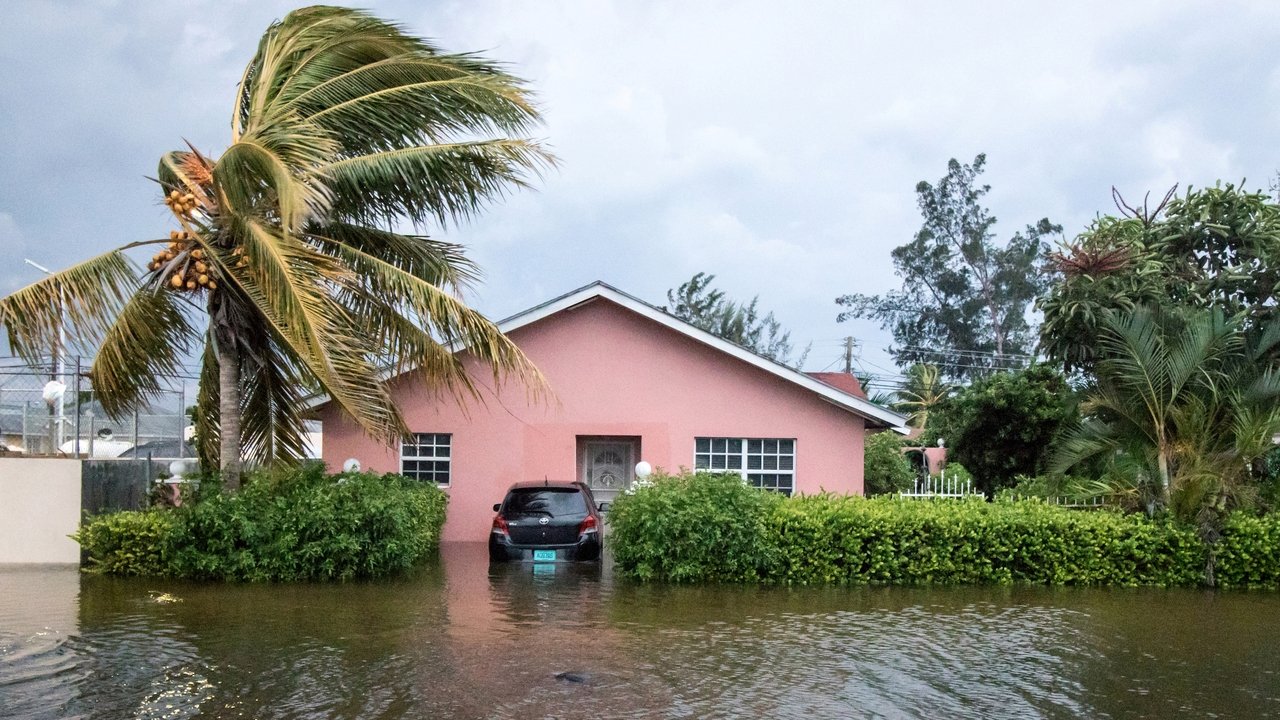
435,457
743,459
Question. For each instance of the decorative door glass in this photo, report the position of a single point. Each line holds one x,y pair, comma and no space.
608,467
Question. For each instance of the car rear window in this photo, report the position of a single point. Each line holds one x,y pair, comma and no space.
540,501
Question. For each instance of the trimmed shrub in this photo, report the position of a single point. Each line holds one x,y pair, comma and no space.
710,529
1248,554
126,543
296,525
843,539
954,471
687,528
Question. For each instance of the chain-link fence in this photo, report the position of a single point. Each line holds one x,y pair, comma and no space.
50,409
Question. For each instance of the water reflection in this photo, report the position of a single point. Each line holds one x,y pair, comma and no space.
460,639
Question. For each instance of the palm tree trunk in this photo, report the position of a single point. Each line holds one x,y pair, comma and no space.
1162,459
228,415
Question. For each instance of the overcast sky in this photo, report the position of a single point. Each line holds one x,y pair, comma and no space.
775,144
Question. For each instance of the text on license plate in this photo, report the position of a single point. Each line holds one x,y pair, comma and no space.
540,555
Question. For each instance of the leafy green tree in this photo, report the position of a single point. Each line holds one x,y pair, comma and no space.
964,299
1184,409
343,127
1003,426
1215,247
885,468
699,304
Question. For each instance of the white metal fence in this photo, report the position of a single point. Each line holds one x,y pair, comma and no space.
942,486
1074,503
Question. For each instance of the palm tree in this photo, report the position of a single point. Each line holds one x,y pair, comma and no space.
924,391
344,129
1185,404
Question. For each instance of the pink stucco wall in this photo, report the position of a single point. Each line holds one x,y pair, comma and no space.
614,373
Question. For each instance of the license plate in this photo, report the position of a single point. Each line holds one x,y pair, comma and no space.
544,555
544,569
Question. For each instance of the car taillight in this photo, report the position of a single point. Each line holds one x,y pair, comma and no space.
500,526
587,526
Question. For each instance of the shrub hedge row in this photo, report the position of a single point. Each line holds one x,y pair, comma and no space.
299,525
703,528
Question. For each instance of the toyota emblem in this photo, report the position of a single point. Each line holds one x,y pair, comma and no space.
543,521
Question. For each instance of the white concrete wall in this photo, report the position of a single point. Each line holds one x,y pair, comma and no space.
39,508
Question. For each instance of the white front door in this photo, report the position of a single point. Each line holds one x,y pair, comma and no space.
608,467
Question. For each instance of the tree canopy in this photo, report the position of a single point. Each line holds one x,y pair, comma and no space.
885,468
1215,247
964,301
344,128
1004,425
699,304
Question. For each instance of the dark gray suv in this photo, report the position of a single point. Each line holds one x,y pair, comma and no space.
547,522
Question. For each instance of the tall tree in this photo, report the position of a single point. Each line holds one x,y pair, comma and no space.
964,300
1216,247
343,128
705,307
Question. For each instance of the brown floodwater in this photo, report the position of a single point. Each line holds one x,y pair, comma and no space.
457,640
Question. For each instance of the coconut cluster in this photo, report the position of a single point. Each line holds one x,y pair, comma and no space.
190,271
180,203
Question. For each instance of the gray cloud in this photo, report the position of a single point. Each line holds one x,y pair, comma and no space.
777,146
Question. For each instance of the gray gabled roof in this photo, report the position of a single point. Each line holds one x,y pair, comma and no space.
865,408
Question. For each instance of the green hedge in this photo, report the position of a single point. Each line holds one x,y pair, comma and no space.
713,528
691,528
298,525
126,543
1248,555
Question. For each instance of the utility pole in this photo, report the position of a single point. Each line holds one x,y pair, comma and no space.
848,355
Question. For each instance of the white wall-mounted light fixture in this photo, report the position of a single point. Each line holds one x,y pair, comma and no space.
351,465
643,470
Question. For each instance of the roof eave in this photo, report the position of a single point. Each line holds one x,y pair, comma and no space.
882,417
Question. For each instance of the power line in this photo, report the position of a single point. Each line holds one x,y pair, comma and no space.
971,353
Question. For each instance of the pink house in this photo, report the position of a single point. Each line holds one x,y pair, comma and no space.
631,384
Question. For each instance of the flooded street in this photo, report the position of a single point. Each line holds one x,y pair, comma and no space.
457,640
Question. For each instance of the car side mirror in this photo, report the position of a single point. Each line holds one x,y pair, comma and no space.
497,507
604,507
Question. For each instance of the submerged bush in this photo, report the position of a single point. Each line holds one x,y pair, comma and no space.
686,528
295,525
1248,555
716,529
841,539
126,543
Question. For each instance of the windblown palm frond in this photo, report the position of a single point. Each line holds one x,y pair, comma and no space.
1185,402
923,392
344,127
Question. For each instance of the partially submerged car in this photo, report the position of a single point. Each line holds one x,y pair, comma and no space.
547,522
